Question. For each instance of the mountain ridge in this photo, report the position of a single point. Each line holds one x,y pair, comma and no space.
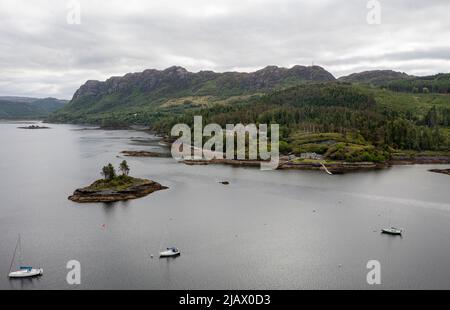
12,107
148,79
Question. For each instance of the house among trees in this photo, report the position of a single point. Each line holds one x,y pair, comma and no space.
311,156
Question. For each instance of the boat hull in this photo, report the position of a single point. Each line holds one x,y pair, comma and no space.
26,273
391,232
169,254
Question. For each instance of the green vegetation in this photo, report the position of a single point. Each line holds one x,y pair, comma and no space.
124,168
112,181
380,114
28,108
439,83
339,121
108,172
117,183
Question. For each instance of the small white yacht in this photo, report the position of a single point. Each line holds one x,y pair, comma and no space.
173,251
392,231
24,271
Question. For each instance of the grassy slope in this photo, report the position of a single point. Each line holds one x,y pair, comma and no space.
120,182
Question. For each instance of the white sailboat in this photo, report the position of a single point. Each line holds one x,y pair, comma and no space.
170,251
23,271
392,231
173,251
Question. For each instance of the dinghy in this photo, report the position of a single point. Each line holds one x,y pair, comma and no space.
24,271
392,231
170,252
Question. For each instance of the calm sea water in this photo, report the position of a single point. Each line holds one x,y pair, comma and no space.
266,230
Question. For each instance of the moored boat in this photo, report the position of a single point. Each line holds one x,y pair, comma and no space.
26,272
173,251
392,231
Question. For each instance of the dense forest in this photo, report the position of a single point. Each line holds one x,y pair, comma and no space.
432,84
346,116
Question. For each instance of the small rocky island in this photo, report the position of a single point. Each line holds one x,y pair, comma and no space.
115,187
34,127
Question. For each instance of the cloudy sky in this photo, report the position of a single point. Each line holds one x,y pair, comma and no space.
42,54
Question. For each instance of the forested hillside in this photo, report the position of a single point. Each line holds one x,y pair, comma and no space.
27,108
342,121
363,117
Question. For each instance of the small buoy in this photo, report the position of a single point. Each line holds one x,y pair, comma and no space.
314,210
103,225
151,256
339,265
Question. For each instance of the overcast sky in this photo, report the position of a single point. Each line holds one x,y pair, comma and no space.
42,55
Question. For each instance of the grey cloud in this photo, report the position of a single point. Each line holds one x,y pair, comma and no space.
41,55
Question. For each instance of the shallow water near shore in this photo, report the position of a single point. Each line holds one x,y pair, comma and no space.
265,230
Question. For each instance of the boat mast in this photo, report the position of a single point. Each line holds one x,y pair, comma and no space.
14,255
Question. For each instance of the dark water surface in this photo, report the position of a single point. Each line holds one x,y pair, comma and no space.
266,230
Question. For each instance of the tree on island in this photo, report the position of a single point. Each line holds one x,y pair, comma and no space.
124,168
108,172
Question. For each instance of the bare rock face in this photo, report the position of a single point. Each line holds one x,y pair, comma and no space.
176,78
143,188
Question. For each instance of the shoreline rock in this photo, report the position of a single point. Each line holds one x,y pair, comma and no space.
143,154
333,167
336,168
34,127
142,189
443,171
420,160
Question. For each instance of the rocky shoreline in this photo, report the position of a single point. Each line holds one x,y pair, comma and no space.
143,154
33,127
140,189
336,167
421,160
443,171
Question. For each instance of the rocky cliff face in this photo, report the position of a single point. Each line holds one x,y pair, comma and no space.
175,79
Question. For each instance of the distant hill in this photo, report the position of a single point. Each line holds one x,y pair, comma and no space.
28,108
401,82
439,83
142,94
375,77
